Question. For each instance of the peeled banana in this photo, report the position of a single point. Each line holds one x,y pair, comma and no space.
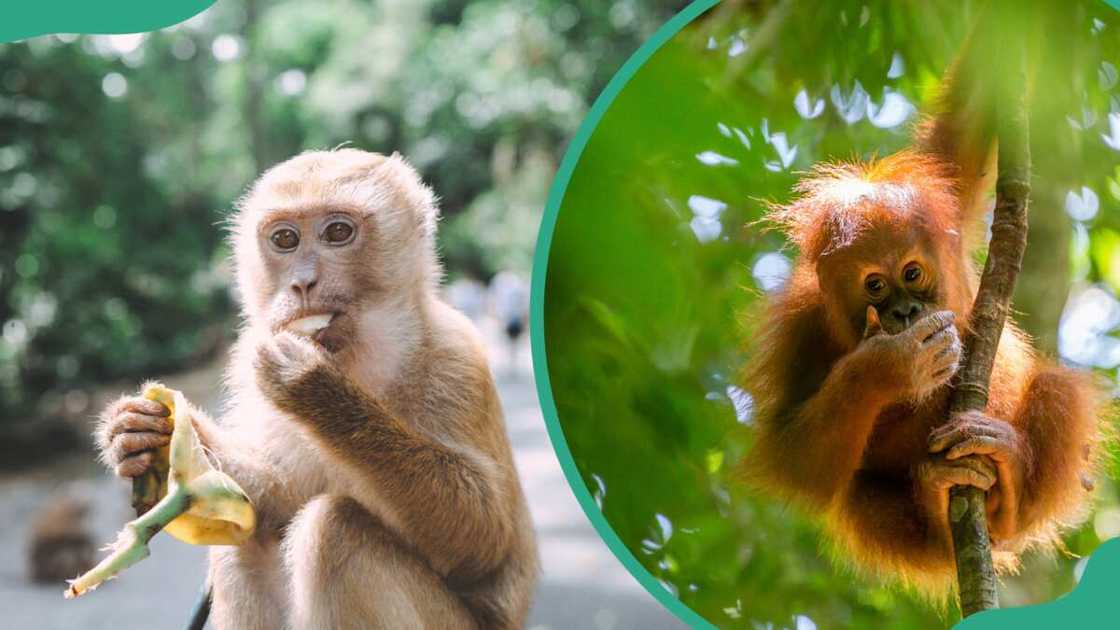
190,498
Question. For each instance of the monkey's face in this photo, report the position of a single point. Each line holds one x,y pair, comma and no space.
316,261
897,272
326,240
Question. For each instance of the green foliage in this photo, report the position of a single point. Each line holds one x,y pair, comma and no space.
657,268
121,156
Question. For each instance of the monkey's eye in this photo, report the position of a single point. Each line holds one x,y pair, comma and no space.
338,232
284,239
912,273
875,285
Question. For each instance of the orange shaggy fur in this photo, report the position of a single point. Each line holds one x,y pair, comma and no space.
858,468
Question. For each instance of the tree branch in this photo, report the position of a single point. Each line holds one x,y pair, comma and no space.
972,546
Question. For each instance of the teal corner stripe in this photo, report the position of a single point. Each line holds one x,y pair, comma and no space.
536,310
1090,605
1089,602
27,18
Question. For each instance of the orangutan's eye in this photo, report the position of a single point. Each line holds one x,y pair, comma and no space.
875,285
912,273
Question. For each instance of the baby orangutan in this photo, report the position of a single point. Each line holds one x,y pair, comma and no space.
364,423
851,373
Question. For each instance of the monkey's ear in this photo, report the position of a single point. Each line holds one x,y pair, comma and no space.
874,326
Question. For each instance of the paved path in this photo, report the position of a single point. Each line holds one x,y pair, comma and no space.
583,585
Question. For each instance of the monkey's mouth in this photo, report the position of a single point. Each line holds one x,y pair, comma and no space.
324,329
309,326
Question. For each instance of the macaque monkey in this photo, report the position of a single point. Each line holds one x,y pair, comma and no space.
364,423
851,371
61,544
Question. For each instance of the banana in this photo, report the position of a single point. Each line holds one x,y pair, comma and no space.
190,498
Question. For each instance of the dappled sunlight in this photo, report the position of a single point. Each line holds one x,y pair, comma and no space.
808,108
771,270
742,402
1112,138
850,105
898,66
786,152
711,158
1085,335
1086,120
892,112
705,223
1106,76
1082,205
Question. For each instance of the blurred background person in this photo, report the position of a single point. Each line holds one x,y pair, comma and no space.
509,297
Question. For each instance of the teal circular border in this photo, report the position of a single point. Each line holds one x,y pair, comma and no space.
536,311
26,19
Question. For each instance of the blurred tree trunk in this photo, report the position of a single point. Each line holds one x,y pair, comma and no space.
1059,156
1044,281
254,90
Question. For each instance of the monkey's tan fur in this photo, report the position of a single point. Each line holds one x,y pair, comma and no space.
380,469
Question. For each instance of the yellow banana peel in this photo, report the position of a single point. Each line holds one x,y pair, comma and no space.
190,498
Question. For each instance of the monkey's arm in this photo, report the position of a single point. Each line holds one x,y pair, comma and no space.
812,451
961,132
132,429
241,460
450,501
1059,417
883,520
1044,456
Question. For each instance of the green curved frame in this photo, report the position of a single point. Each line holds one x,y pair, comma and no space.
39,17
536,310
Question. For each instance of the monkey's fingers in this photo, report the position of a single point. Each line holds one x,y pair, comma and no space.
968,425
937,359
138,405
980,445
973,471
135,465
128,410
944,341
929,326
874,324
129,444
286,357
132,422
297,350
144,406
944,374
947,359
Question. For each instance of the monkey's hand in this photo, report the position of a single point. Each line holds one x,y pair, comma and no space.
936,476
914,362
289,366
973,434
130,431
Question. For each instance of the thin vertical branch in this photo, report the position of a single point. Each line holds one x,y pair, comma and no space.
976,578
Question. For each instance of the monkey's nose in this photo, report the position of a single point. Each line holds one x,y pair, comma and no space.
906,312
303,287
